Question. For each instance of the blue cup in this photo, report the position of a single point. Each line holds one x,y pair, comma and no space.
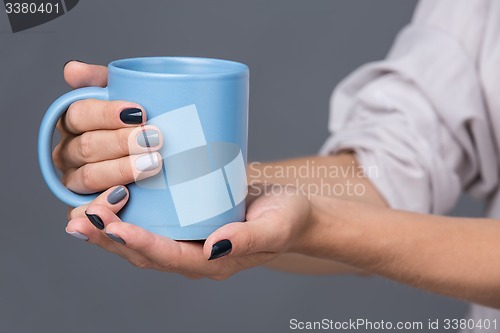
201,108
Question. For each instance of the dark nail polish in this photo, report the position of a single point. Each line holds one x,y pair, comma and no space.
220,249
96,221
117,195
67,62
116,238
131,116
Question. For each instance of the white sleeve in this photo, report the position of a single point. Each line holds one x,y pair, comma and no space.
418,118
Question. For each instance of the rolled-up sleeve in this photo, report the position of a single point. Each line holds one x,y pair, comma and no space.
418,117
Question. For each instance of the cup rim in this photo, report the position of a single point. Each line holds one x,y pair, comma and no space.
234,68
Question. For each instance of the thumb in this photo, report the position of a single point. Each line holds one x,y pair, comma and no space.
79,74
244,238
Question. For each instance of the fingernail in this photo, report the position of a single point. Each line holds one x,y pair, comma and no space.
67,62
95,220
77,234
116,238
147,162
220,249
131,116
117,195
149,138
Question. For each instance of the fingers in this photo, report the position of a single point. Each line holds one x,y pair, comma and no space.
87,115
183,257
96,146
78,74
87,225
165,253
141,240
82,228
92,114
103,208
148,250
94,177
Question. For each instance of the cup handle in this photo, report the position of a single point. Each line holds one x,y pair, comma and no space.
47,128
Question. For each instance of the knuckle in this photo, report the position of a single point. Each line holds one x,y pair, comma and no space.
125,170
87,177
124,136
85,146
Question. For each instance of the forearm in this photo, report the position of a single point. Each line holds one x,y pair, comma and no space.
338,176
457,257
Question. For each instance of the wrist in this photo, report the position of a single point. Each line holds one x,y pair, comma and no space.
332,230
315,232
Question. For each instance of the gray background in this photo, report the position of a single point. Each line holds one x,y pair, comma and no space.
297,51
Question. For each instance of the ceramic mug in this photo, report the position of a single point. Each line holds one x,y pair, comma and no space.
201,107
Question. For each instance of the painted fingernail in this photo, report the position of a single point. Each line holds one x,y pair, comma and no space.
67,62
149,138
147,162
77,234
117,195
95,220
131,116
220,249
116,238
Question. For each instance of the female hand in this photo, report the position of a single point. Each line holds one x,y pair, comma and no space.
277,222
103,143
